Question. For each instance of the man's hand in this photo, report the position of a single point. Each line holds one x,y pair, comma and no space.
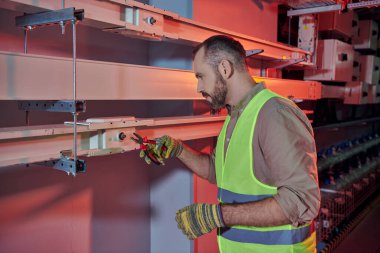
173,147
150,154
165,147
198,219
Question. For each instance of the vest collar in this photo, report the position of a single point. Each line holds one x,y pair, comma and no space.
239,107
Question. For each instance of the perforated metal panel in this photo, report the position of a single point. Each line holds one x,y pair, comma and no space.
303,4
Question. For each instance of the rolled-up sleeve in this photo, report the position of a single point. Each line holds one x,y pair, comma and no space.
211,171
287,144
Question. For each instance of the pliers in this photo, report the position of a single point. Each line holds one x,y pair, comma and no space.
143,146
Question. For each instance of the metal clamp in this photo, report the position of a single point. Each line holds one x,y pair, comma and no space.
66,164
53,106
49,17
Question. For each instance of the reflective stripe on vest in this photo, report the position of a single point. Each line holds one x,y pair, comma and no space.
274,237
232,197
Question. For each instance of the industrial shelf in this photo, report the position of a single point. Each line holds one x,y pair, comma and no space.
340,157
96,137
115,81
135,19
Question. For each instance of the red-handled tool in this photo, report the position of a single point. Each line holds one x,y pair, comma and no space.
143,141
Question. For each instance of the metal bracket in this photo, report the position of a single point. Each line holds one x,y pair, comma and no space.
278,64
29,22
49,17
249,53
53,106
66,164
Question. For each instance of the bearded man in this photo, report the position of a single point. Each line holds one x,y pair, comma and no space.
264,163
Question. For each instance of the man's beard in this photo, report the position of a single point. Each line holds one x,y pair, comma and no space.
218,96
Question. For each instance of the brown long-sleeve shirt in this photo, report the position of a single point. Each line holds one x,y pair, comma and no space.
284,155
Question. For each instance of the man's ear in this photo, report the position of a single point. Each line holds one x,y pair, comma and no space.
225,68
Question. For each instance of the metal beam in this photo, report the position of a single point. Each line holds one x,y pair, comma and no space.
171,26
293,89
328,8
22,77
329,91
23,145
114,16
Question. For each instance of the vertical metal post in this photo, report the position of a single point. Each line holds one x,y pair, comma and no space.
25,52
75,89
262,69
25,40
289,29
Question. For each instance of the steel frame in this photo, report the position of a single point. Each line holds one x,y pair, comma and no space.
32,144
108,15
117,81
30,21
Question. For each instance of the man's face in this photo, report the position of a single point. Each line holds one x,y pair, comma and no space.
211,84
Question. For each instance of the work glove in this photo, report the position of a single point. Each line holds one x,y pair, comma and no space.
199,219
149,153
165,147
173,147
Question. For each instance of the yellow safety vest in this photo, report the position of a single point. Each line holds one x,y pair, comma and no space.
238,184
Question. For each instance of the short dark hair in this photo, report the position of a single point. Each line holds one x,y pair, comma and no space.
221,47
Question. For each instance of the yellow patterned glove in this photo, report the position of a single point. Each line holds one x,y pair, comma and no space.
150,155
199,219
167,147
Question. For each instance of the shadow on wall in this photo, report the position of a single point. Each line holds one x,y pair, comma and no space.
107,209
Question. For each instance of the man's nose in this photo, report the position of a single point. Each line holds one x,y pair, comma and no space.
199,87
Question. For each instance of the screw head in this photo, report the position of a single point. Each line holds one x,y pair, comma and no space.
122,136
151,20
